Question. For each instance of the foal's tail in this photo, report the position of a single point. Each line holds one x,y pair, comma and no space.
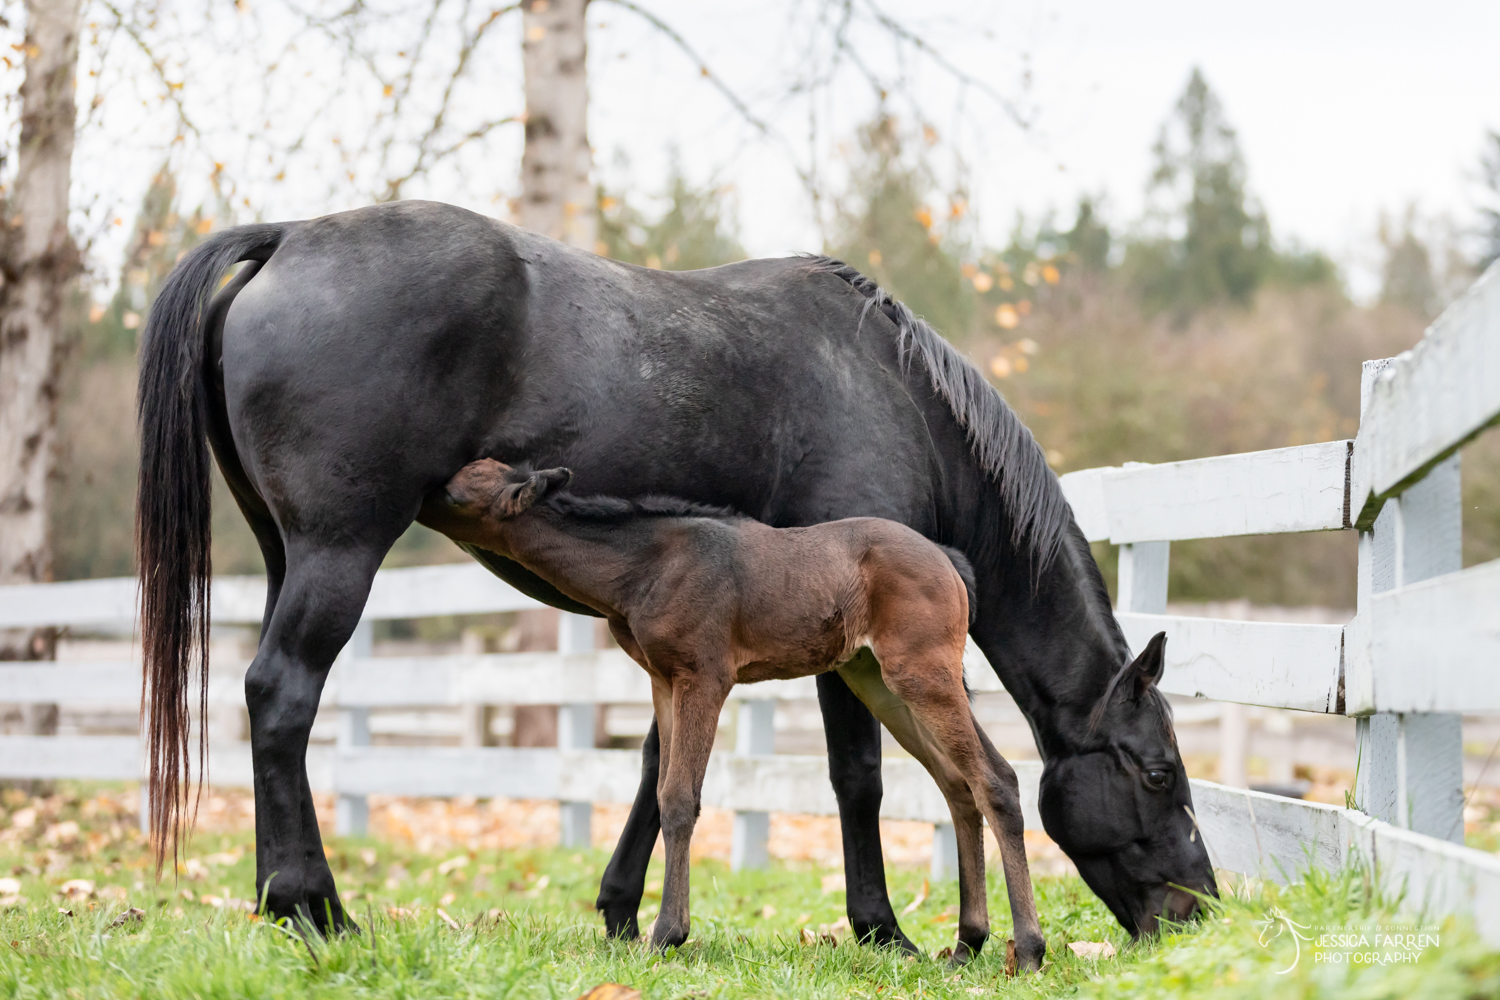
966,574
172,514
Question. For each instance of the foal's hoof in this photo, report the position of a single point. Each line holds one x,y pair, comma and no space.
1025,957
664,937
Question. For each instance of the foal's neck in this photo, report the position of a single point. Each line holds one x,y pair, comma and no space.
583,560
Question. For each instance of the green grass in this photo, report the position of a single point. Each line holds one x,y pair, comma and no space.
527,929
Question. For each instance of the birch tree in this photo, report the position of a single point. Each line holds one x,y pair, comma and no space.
557,196
38,259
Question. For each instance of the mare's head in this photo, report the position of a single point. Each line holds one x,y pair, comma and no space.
488,488
1120,807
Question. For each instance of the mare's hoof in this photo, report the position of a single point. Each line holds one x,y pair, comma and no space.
620,924
886,936
318,914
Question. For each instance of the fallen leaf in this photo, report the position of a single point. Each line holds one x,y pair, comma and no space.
132,915
612,991
1010,957
447,919
9,886
921,898
1092,949
78,888
834,882
767,912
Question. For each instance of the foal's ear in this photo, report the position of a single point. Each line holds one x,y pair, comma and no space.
515,498
1146,670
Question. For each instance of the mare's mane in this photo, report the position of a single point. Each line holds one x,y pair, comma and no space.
617,510
1007,453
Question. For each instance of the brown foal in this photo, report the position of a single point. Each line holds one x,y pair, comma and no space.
704,599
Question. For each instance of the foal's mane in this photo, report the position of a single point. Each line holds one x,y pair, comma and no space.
616,510
1029,491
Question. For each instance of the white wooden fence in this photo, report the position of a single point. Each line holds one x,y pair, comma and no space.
1424,646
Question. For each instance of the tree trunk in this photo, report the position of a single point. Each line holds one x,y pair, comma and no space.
557,197
557,200
37,261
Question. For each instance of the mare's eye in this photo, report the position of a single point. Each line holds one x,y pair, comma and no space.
1159,780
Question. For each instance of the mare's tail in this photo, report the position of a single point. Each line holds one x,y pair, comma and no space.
172,514
966,573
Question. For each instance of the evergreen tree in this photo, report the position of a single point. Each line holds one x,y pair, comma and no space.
696,230
887,229
1489,212
1407,278
1215,245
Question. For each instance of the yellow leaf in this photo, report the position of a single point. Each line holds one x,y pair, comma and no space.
1050,275
982,282
1007,319
875,258
389,90
1000,366
923,216
536,33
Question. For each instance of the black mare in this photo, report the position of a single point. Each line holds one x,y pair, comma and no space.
361,359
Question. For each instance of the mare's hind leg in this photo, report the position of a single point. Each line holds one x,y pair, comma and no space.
929,679
319,604
862,674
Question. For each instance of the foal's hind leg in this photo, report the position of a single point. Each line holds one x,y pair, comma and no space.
862,674
692,702
930,681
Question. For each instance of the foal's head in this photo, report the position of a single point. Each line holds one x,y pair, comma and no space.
1120,807
494,490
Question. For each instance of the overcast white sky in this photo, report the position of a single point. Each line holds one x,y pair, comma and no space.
1343,109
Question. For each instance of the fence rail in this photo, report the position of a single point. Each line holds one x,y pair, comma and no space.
1423,646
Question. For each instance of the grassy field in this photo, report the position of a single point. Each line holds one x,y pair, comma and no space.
520,924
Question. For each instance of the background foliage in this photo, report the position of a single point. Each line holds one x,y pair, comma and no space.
1186,333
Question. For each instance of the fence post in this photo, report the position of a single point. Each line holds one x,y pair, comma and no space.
575,728
754,733
1411,764
944,852
352,817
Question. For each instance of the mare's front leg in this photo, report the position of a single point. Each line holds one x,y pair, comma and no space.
319,604
624,878
853,737
692,702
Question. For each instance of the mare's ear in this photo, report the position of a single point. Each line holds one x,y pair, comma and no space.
514,498
1147,668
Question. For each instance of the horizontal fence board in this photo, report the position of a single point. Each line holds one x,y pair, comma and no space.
88,758
1085,492
1257,493
1432,646
105,683
1430,399
445,772
417,592
1435,877
1273,664
1267,835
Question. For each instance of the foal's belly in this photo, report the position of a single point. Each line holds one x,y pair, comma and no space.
786,668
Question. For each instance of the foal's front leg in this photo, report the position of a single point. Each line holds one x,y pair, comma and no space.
693,704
